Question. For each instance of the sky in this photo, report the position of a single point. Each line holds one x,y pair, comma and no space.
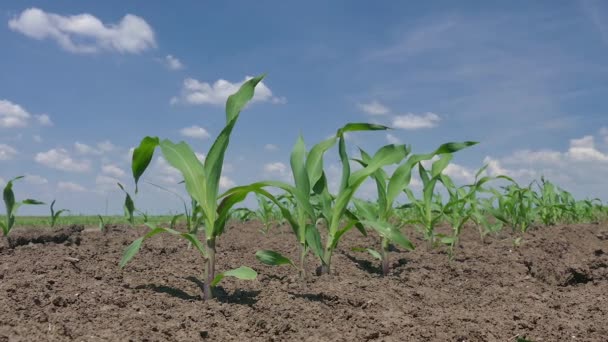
81,83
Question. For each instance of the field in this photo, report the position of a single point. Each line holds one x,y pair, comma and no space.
553,287
425,259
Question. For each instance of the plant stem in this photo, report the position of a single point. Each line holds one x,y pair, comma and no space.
209,270
385,261
302,262
326,266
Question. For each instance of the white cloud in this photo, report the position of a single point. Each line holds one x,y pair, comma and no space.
374,108
70,187
195,132
271,147
106,183
61,160
85,149
199,93
12,115
412,121
44,120
106,146
173,63
2,181
226,183
276,168
460,173
7,152
604,134
84,33
102,147
35,179
583,149
113,170
392,139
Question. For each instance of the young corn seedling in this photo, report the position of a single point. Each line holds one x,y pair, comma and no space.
516,207
202,183
461,206
429,209
12,206
55,215
129,206
265,212
307,170
310,198
380,216
334,208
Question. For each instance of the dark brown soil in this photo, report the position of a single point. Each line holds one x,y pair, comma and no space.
554,287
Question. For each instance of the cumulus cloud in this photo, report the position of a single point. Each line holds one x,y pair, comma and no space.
195,132
35,179
70,187
44,120
200,93
12,115
61,160
101,148
271,147
374,108
173,63
7,152
413,121
392,139
106,146
583,149
113,170
2,181
85,33
226,183
276,167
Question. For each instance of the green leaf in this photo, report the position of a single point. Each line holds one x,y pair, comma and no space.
181,157
237,101
313,241
298,167
142,156
314,160
129,205
387,231
402,175
32,201
359,126
243,272
272,258
131,251
374,253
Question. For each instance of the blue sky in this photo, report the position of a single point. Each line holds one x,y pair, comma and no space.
82,82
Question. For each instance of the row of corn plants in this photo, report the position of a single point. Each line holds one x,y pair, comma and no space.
320,217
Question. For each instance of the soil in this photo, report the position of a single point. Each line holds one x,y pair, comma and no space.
552,287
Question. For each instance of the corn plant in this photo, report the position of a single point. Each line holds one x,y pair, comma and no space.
429,208
202,183
516,206
462,206
101,224
381,215
55,214
334,208
12,206
265,212
128,206
307,170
